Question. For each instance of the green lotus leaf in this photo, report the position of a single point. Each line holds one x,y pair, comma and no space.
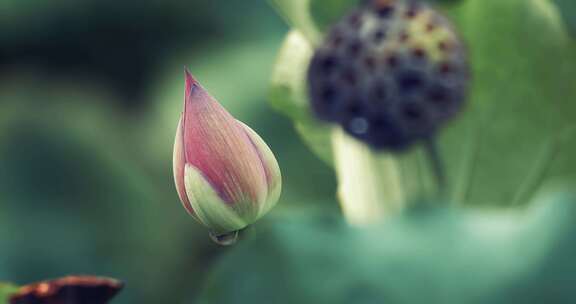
429,255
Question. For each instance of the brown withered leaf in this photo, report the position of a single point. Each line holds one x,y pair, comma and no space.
69,290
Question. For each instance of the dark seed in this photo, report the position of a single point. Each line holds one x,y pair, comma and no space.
412,12
444,46
380,92
379,35
349,77
370,63
404,37
329,63
385,134
392,61
446,68
354,108
329,94
356,20
354,48
336,40
438,95
385,12
419,53
412,113
379,123
409,81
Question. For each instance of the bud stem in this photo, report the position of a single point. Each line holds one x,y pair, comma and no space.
369,183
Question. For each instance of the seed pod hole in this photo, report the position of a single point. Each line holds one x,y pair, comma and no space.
329,95
354,48
379,92
403,37
413,114
329,64
446,68
444,46
370,63
419,53
355,20
349,77
412,11
385,11
355,108
410,81
379,35
379,123
337,40
438,95
392,61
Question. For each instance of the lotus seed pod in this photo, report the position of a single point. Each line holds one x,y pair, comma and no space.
225,174
391,73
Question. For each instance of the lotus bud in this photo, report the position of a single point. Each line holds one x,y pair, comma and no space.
225,174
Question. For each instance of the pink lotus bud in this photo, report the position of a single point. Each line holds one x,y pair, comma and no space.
225,174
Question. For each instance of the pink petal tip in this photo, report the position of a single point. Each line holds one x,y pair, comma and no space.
190,81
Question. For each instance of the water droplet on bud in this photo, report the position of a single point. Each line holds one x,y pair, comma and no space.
226,239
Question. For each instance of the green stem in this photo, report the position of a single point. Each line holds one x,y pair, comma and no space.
436,166
532,182
369,183
465,176
297,15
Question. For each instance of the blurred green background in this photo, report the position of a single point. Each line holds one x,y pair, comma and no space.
90,95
